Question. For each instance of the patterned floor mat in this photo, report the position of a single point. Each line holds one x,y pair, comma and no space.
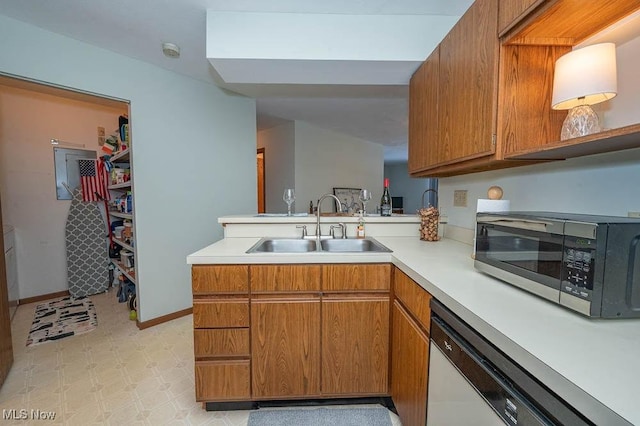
62,318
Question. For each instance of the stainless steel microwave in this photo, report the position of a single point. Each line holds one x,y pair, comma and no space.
587,263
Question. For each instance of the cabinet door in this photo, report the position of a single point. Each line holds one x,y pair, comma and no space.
409,363
216,279
285,278
415,298
222,380
285,347
355,346
423,115
350,277
468,84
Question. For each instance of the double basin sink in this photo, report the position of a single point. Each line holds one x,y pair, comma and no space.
331,245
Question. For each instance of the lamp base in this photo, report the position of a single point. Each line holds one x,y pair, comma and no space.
580,121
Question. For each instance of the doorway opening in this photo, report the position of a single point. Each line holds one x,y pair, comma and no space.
261,180
45,119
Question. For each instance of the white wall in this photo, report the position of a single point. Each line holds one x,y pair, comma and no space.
623,109
28,121
279,145
301,36
325,159
193,148
605,184
403,185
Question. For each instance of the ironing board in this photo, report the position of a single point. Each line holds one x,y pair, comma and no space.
87,251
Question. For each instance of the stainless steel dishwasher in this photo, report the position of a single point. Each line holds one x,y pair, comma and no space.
472,383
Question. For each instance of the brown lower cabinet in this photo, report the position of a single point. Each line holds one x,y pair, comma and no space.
285,346
410,349
355,346
409,366
311,331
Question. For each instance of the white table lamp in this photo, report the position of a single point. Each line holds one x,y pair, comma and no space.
584,77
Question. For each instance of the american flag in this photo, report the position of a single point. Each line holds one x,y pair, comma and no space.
93,179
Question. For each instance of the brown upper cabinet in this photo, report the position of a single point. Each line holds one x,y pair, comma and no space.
489,86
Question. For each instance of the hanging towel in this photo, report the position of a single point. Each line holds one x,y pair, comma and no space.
93,179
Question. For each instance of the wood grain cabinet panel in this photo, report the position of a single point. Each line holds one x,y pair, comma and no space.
285,346
409,368
569,22
221,342
285,278
495,83
416,299
212,279
217,313
356,277
423,115
355,346
510,12
468,83
222,380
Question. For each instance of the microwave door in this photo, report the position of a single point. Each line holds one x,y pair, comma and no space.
524,257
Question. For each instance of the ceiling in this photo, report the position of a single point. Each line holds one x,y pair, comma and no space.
138,28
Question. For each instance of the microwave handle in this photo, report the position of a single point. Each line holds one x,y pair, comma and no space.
552,227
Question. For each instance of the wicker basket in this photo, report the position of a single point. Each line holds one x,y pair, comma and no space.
429,219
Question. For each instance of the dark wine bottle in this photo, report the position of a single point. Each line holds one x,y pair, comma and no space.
385,201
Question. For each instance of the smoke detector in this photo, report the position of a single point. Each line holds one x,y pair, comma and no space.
171,50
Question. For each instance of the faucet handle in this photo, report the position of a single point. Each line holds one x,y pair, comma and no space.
343,229
304,230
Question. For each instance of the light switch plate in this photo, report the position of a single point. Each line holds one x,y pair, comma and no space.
100,135
460,198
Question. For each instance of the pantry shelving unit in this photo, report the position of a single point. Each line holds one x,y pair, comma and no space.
123,158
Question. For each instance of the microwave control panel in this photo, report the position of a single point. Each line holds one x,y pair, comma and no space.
578,260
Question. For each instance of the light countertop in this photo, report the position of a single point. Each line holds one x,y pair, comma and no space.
591,363
306,218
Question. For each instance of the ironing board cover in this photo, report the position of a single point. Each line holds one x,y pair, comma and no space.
87,251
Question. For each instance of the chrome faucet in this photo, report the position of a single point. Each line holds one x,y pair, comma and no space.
318,230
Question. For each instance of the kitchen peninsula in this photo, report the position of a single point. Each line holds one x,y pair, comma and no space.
589,363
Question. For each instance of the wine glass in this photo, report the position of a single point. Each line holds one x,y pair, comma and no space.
365,195
289,197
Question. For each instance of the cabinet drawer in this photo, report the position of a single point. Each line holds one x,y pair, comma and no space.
356,277
207,279
416,299
220,313
221,342
285,278
218,380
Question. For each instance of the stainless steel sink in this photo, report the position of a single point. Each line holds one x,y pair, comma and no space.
283,245
299,245
353,245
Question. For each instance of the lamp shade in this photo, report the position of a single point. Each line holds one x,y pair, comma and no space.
585,76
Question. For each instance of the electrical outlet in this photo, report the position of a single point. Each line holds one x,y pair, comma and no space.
100,135
634,214
460,198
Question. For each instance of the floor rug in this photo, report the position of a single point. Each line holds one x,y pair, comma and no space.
375,416
62,318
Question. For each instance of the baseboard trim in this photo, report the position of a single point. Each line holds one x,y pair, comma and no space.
44,297
165,318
